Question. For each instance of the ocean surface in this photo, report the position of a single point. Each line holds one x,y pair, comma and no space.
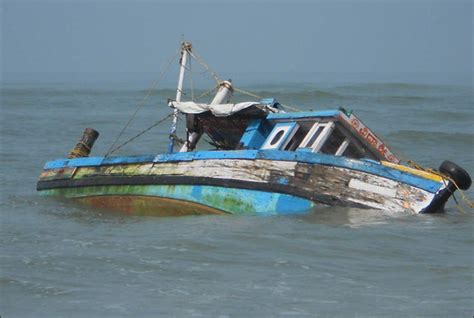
60,259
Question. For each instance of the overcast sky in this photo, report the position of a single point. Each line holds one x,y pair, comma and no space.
238,36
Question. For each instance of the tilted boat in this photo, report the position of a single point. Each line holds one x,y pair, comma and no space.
266,161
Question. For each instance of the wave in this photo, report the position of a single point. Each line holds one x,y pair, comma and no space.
299,94
443,116
398,86
383,93
278,93
26,92
403,99
433,137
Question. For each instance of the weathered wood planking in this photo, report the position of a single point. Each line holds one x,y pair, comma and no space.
319,183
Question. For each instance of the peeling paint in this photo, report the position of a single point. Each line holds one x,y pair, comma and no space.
241,186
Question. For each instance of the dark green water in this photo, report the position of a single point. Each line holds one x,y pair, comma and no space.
59,259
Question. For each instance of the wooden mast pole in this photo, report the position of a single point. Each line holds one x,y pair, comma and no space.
185,49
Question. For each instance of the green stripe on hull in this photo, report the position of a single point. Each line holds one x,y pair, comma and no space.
230,200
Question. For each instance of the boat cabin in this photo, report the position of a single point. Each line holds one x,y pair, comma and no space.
318,132
263,126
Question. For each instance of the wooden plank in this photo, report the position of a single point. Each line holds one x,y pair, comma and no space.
55,174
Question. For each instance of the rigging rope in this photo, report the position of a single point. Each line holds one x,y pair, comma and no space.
206,93
260,97
140,105
247,93
196,56
141,133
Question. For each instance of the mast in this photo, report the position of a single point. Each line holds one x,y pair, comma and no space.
185,50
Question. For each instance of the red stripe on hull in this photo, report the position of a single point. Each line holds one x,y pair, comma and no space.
147,205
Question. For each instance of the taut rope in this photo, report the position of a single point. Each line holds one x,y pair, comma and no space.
140,105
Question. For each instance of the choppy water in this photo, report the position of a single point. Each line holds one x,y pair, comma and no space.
59,259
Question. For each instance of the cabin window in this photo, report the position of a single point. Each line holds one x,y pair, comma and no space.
342,143
317,136
296,140
277,137
343,147
336,143
280,136
356,151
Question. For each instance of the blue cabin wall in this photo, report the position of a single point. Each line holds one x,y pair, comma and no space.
256,133
258,130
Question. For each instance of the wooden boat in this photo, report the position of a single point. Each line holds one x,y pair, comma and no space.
266,161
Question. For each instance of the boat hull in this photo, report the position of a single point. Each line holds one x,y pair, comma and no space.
238,182
184,199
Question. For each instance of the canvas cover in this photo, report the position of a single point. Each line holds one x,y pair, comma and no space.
218,110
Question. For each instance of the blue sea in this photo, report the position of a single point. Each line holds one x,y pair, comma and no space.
60,259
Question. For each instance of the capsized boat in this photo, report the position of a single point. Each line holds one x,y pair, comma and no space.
265,161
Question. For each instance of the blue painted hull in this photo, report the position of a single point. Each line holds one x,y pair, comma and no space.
227,200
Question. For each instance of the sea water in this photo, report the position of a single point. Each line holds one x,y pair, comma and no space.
59,259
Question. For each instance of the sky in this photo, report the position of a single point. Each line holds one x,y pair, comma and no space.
123,36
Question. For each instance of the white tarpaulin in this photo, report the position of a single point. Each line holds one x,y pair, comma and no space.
218,110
